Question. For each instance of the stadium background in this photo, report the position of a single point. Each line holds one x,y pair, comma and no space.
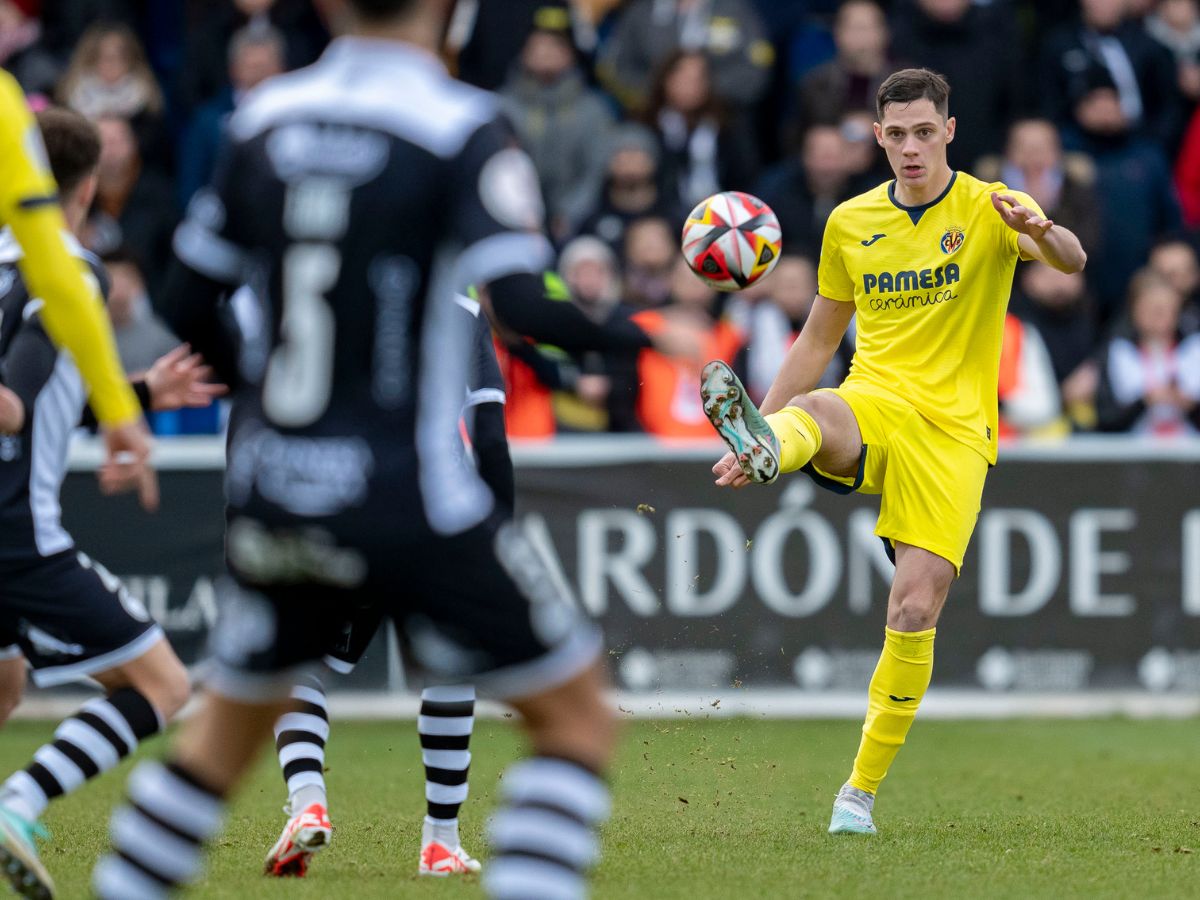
1084,576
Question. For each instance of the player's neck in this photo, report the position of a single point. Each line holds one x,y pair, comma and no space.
419,31
919,195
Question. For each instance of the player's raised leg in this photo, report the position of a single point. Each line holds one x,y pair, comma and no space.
811,427
901,678
174,808
143,691
444,726
300,737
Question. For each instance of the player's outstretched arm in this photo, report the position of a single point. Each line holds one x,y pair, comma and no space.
1039,237
72,312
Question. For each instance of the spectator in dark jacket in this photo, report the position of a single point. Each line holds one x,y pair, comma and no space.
704,147
1064,185
803,191
487,35
850,80
1176,25
1150,381
563,123
1140,69
134,205
256,53
206,68
110,76
646,32
973,46
1174,258
632,187
1058,305
1133,181
22,52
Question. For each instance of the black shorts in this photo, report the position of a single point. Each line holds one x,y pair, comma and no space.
352,638
69,617
480,606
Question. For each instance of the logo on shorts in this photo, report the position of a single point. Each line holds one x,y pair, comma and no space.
952,240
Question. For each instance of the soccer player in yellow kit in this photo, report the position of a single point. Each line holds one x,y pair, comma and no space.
926,262
72,312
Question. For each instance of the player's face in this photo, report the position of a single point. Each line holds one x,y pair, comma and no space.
914,136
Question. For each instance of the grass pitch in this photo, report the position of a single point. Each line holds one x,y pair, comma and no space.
737,808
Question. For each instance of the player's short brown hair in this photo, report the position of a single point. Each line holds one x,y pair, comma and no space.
910,85
72,146
382,9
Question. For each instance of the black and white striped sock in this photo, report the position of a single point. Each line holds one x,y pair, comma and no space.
300,738
445,724
94,740
158,837
544,835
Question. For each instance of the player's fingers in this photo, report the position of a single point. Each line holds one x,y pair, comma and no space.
148,489
173,356
721,466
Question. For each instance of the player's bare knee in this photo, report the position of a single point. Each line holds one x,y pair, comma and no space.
913,609
166,684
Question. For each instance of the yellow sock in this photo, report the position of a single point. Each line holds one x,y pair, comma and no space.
897,688
799,437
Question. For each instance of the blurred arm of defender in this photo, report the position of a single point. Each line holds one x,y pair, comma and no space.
497,215
484,413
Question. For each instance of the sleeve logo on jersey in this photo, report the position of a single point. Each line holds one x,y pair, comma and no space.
509,190
952,240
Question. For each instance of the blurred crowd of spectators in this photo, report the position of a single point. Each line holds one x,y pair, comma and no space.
633,111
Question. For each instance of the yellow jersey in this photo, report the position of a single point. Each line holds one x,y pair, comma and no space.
72,313
930,285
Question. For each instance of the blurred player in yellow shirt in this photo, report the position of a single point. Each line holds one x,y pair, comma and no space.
926,262
73,314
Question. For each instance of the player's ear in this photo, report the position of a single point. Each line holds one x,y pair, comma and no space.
879,134
951,124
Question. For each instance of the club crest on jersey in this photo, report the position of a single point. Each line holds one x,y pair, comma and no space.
952,240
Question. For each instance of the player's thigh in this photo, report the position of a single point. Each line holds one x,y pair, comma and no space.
12,680
482,606
841,437
932,492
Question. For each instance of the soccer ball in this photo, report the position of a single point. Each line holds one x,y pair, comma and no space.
731,240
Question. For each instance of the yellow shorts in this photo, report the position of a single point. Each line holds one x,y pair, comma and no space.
931,484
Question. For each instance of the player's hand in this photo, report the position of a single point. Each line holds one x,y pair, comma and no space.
729,473
127,466
12,412
1019,218
180,378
